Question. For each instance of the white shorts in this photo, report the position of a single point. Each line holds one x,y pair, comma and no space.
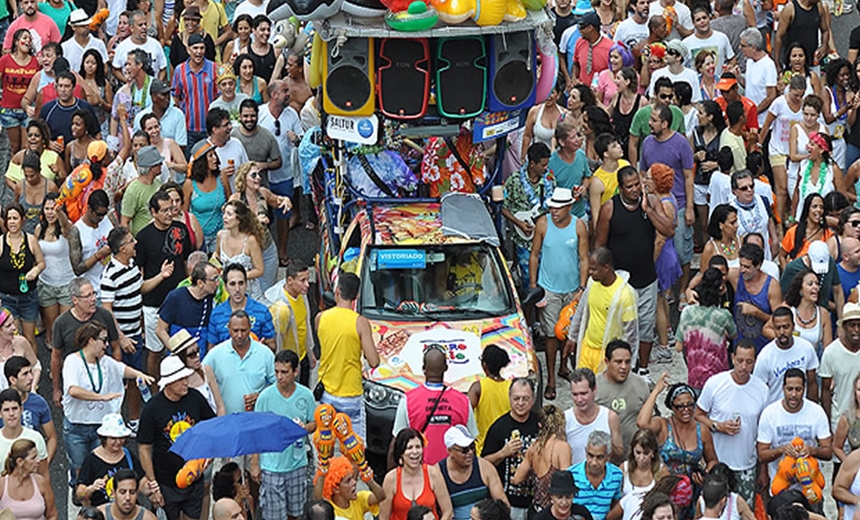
150,321
700,194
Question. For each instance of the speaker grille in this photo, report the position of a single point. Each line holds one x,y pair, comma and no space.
462,77
402,83
348,87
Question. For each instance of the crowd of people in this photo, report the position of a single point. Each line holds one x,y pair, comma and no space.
155,172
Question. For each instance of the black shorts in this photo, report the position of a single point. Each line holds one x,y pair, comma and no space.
188,501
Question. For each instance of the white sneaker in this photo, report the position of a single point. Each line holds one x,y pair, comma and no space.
645,374
660,354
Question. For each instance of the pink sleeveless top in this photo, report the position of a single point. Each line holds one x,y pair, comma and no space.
31,509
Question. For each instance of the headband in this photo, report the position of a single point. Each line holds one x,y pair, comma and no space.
679,391
4,315
198,154
819,139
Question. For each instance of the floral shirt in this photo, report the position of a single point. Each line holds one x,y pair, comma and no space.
518,197
443,172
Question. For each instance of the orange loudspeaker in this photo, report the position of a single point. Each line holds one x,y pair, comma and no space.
403,77
349,87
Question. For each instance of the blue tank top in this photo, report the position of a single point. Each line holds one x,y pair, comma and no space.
750,327
467,494
207,208
559,258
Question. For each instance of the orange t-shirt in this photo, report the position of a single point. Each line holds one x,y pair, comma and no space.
788,242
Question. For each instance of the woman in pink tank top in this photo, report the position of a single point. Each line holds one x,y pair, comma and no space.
28,495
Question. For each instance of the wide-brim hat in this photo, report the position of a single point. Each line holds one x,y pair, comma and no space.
561,484
850,312
180,341
173,370
561,197
78,18
114,427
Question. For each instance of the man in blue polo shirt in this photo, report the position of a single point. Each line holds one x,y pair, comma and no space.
598,481
236,281
35,414
243,367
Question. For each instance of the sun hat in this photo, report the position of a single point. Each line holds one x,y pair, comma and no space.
561,197
149,156
561,484
113,426
173,370
180,341
97,150
78,18
850,312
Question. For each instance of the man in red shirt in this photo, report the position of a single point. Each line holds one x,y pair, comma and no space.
728,87
591,53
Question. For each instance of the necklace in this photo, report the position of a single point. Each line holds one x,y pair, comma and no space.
630,207
729,250
16,258
90,374
143,92
810,321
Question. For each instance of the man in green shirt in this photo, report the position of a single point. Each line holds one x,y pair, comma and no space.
135,202
639,128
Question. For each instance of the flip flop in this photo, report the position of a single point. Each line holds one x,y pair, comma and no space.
284,262
549,393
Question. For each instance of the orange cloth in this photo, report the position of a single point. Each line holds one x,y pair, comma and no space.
788,242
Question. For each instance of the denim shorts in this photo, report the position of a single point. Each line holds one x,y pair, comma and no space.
683,239
79,440
12,117
22,306
134,359
284,189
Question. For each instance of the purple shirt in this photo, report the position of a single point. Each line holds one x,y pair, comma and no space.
675,153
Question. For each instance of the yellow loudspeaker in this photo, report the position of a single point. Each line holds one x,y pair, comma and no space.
349,86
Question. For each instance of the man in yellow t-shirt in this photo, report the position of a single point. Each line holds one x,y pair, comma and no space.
610,313
292,318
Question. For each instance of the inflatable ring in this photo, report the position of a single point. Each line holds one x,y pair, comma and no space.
417,17
315,68
548,53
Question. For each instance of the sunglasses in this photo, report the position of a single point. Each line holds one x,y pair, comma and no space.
688,406
193,353
854,223
277,128
745,188
465,451
665,96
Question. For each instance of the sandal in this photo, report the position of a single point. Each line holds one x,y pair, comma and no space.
310,226
564,375
284,262
549,393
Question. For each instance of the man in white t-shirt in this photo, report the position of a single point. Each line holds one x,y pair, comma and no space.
793,416
676,53
75,47
682,21
839,366
786,351
10,411
730,405
230,150
708,39
759,81
635,28
139,40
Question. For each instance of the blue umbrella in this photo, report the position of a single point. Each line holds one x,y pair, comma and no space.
238,434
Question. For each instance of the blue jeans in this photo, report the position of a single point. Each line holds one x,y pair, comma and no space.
79,440
351,406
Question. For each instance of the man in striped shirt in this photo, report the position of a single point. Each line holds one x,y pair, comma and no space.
599,481
122,284
194,88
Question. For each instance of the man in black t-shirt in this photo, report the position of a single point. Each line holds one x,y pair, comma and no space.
169,413
507,441
162,241
84,310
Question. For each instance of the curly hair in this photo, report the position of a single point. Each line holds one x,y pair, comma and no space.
42,126
648,441
198,167
248,222
552,422
793,295
664,177
709,288
242,176
338,469
718,217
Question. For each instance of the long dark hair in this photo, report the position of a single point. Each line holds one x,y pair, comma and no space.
43,222
709,288
800,232
713,109
100,66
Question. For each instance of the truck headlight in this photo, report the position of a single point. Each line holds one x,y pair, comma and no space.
381,396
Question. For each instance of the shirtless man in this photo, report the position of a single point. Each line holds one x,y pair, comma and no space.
299,89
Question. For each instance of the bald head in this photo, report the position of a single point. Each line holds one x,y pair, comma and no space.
435,365
227,509
851,252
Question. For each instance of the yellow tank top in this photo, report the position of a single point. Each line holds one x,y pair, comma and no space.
493,404
340,353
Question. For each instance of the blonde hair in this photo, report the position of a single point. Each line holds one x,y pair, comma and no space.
241,176
552,422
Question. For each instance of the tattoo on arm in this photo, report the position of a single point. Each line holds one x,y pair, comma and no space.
76,253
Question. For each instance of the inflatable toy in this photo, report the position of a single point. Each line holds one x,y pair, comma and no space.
99,18
304,10
417,17
564,318
668,13
802,470
351,445
287,34
191,471
548,53
364,8
514,11
314,74
323,437
491,12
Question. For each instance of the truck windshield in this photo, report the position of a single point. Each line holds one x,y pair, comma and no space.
466,280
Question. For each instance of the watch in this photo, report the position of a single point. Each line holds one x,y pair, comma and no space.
714,427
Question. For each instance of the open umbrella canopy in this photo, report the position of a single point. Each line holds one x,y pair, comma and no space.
237,434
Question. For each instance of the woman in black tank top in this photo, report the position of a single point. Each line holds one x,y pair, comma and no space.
627,95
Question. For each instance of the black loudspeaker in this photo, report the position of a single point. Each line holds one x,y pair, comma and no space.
348,88
403,77
512,71
461,76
